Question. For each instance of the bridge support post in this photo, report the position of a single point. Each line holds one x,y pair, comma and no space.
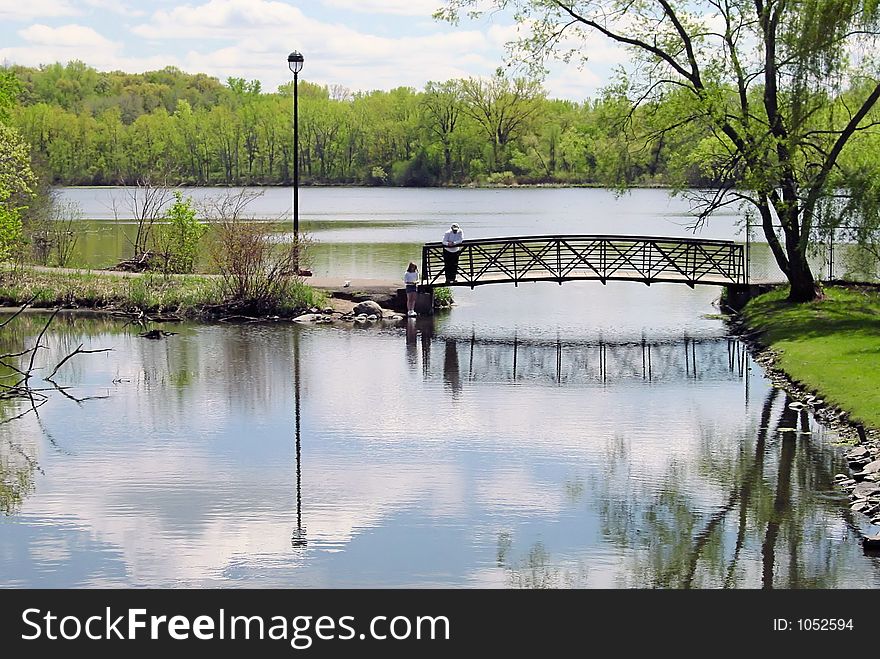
425,301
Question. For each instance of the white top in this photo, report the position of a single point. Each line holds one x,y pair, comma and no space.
411,277
452,240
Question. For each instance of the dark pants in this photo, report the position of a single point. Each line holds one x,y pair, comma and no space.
450,261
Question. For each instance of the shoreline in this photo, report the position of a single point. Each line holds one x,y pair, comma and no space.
858,438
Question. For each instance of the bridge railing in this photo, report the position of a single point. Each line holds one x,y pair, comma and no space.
604,258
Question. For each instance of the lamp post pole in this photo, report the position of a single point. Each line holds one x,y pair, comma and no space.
295,64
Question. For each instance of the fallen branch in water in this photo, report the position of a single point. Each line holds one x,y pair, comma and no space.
22,389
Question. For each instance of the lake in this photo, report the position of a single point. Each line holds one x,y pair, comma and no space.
538,436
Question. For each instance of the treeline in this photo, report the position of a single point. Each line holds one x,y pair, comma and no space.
87,127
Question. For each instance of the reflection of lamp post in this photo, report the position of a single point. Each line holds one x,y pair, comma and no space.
295,63
298,539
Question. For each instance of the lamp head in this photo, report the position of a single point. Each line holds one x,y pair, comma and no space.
295,61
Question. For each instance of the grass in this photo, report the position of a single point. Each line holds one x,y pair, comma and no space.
831,346
191,296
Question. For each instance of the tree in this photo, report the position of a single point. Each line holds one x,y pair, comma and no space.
501,107
760,76
16,187
441,105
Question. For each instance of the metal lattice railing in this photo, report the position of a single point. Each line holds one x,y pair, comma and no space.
602,258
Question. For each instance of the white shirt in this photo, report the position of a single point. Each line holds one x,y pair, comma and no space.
452,240
411,277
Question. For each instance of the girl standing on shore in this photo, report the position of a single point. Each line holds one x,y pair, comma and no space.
410,281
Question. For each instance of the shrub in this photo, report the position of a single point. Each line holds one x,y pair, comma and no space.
176,242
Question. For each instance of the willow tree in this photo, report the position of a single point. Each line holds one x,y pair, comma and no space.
762,78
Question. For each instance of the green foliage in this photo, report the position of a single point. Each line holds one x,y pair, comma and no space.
97,128
177,240
16,187
443,297
10,232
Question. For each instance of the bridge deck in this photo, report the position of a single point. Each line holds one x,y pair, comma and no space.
643,259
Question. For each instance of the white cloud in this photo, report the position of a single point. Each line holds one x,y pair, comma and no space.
221,19
28,11
116,7
251,39
260,33
47,44
401,7
67,36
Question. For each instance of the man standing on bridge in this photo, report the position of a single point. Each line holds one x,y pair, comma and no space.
451,248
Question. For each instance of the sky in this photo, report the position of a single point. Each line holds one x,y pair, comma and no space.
359,44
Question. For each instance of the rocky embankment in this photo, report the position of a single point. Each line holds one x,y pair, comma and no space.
361,314
863,485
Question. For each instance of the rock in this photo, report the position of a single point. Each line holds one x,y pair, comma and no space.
328,311
858,453
308,318
860,505
313,310
368,308
796,406
157,334
872,467
866,489
840,477
871,542
372,317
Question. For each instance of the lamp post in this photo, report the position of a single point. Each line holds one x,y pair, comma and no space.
295,64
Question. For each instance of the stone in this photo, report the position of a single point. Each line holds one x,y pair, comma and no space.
840,477
860,505
872,467
328,311
796,406
866,489
372,317
871,542
367,308
858,453
308,318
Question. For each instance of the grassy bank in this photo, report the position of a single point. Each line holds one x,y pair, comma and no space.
188,296
831,346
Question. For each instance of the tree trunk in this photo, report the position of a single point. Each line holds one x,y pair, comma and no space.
803,284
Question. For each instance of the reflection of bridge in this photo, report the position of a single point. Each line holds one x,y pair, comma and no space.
457,361
603,258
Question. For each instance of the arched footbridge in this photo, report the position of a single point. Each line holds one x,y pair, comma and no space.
559,259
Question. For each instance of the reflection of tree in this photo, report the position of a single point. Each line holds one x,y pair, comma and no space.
17,472
752,533
536,570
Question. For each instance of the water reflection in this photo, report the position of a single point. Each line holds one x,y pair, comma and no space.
281,456
682,546
298,538
567,363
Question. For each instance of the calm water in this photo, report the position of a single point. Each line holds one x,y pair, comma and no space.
374,232
540,436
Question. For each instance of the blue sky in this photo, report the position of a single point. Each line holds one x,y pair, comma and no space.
359,44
